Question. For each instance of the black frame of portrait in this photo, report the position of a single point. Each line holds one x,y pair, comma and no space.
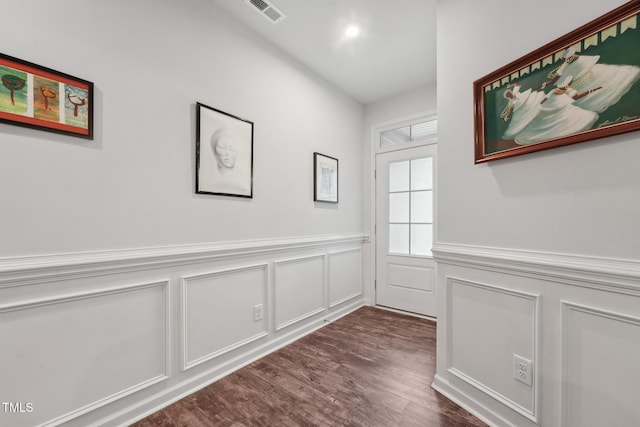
18,66
537,67
317,197
199,133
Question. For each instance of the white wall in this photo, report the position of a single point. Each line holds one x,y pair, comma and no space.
575,199
120,289
133,185
537,254
395,108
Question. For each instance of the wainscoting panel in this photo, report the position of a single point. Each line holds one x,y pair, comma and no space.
106,338
600,367
218,312
482,345
576,318
345,276
69,355
299,289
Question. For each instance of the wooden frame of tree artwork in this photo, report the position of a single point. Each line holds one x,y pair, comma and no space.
582,86
41,98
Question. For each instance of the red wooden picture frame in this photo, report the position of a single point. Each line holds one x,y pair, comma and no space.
580,87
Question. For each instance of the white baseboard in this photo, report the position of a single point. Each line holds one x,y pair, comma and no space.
483,413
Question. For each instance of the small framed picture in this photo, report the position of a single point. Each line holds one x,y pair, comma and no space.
224,153
41,98
325,178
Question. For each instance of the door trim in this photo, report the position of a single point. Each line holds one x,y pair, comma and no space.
374,150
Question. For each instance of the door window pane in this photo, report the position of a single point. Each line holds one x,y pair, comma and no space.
421,206
422,174
399,176
399,239
421,239
399,207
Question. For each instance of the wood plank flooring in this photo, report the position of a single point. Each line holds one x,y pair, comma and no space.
372,368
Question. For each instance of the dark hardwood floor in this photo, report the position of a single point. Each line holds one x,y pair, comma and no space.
372,368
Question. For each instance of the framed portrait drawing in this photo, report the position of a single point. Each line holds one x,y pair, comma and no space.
224,153
41,98
582,86
325,178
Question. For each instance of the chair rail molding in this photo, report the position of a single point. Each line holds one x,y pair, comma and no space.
609,274
26,270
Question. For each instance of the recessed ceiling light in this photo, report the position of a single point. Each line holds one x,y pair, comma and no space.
352,31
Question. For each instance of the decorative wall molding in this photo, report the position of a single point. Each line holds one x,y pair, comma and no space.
108,291
17,271
609,274
532,413
481,411
279,266
297,270
566,380
288,323
76,296
299,259
345,299
494,394
332,255
186,362
357,250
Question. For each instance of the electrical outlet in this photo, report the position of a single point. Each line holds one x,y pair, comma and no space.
257,312
522,370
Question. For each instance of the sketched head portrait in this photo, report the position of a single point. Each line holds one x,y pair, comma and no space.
224,154
224,150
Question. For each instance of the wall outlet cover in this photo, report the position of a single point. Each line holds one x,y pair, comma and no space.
523,370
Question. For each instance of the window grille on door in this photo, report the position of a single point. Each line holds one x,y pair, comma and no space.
411,207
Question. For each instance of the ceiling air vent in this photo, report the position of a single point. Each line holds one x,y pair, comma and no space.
267,10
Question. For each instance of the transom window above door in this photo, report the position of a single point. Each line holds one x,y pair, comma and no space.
418,132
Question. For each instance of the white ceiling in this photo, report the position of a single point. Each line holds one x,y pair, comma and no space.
396,51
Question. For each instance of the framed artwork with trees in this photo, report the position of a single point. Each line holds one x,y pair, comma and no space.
41,98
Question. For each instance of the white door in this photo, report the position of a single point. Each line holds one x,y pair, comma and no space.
405,199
